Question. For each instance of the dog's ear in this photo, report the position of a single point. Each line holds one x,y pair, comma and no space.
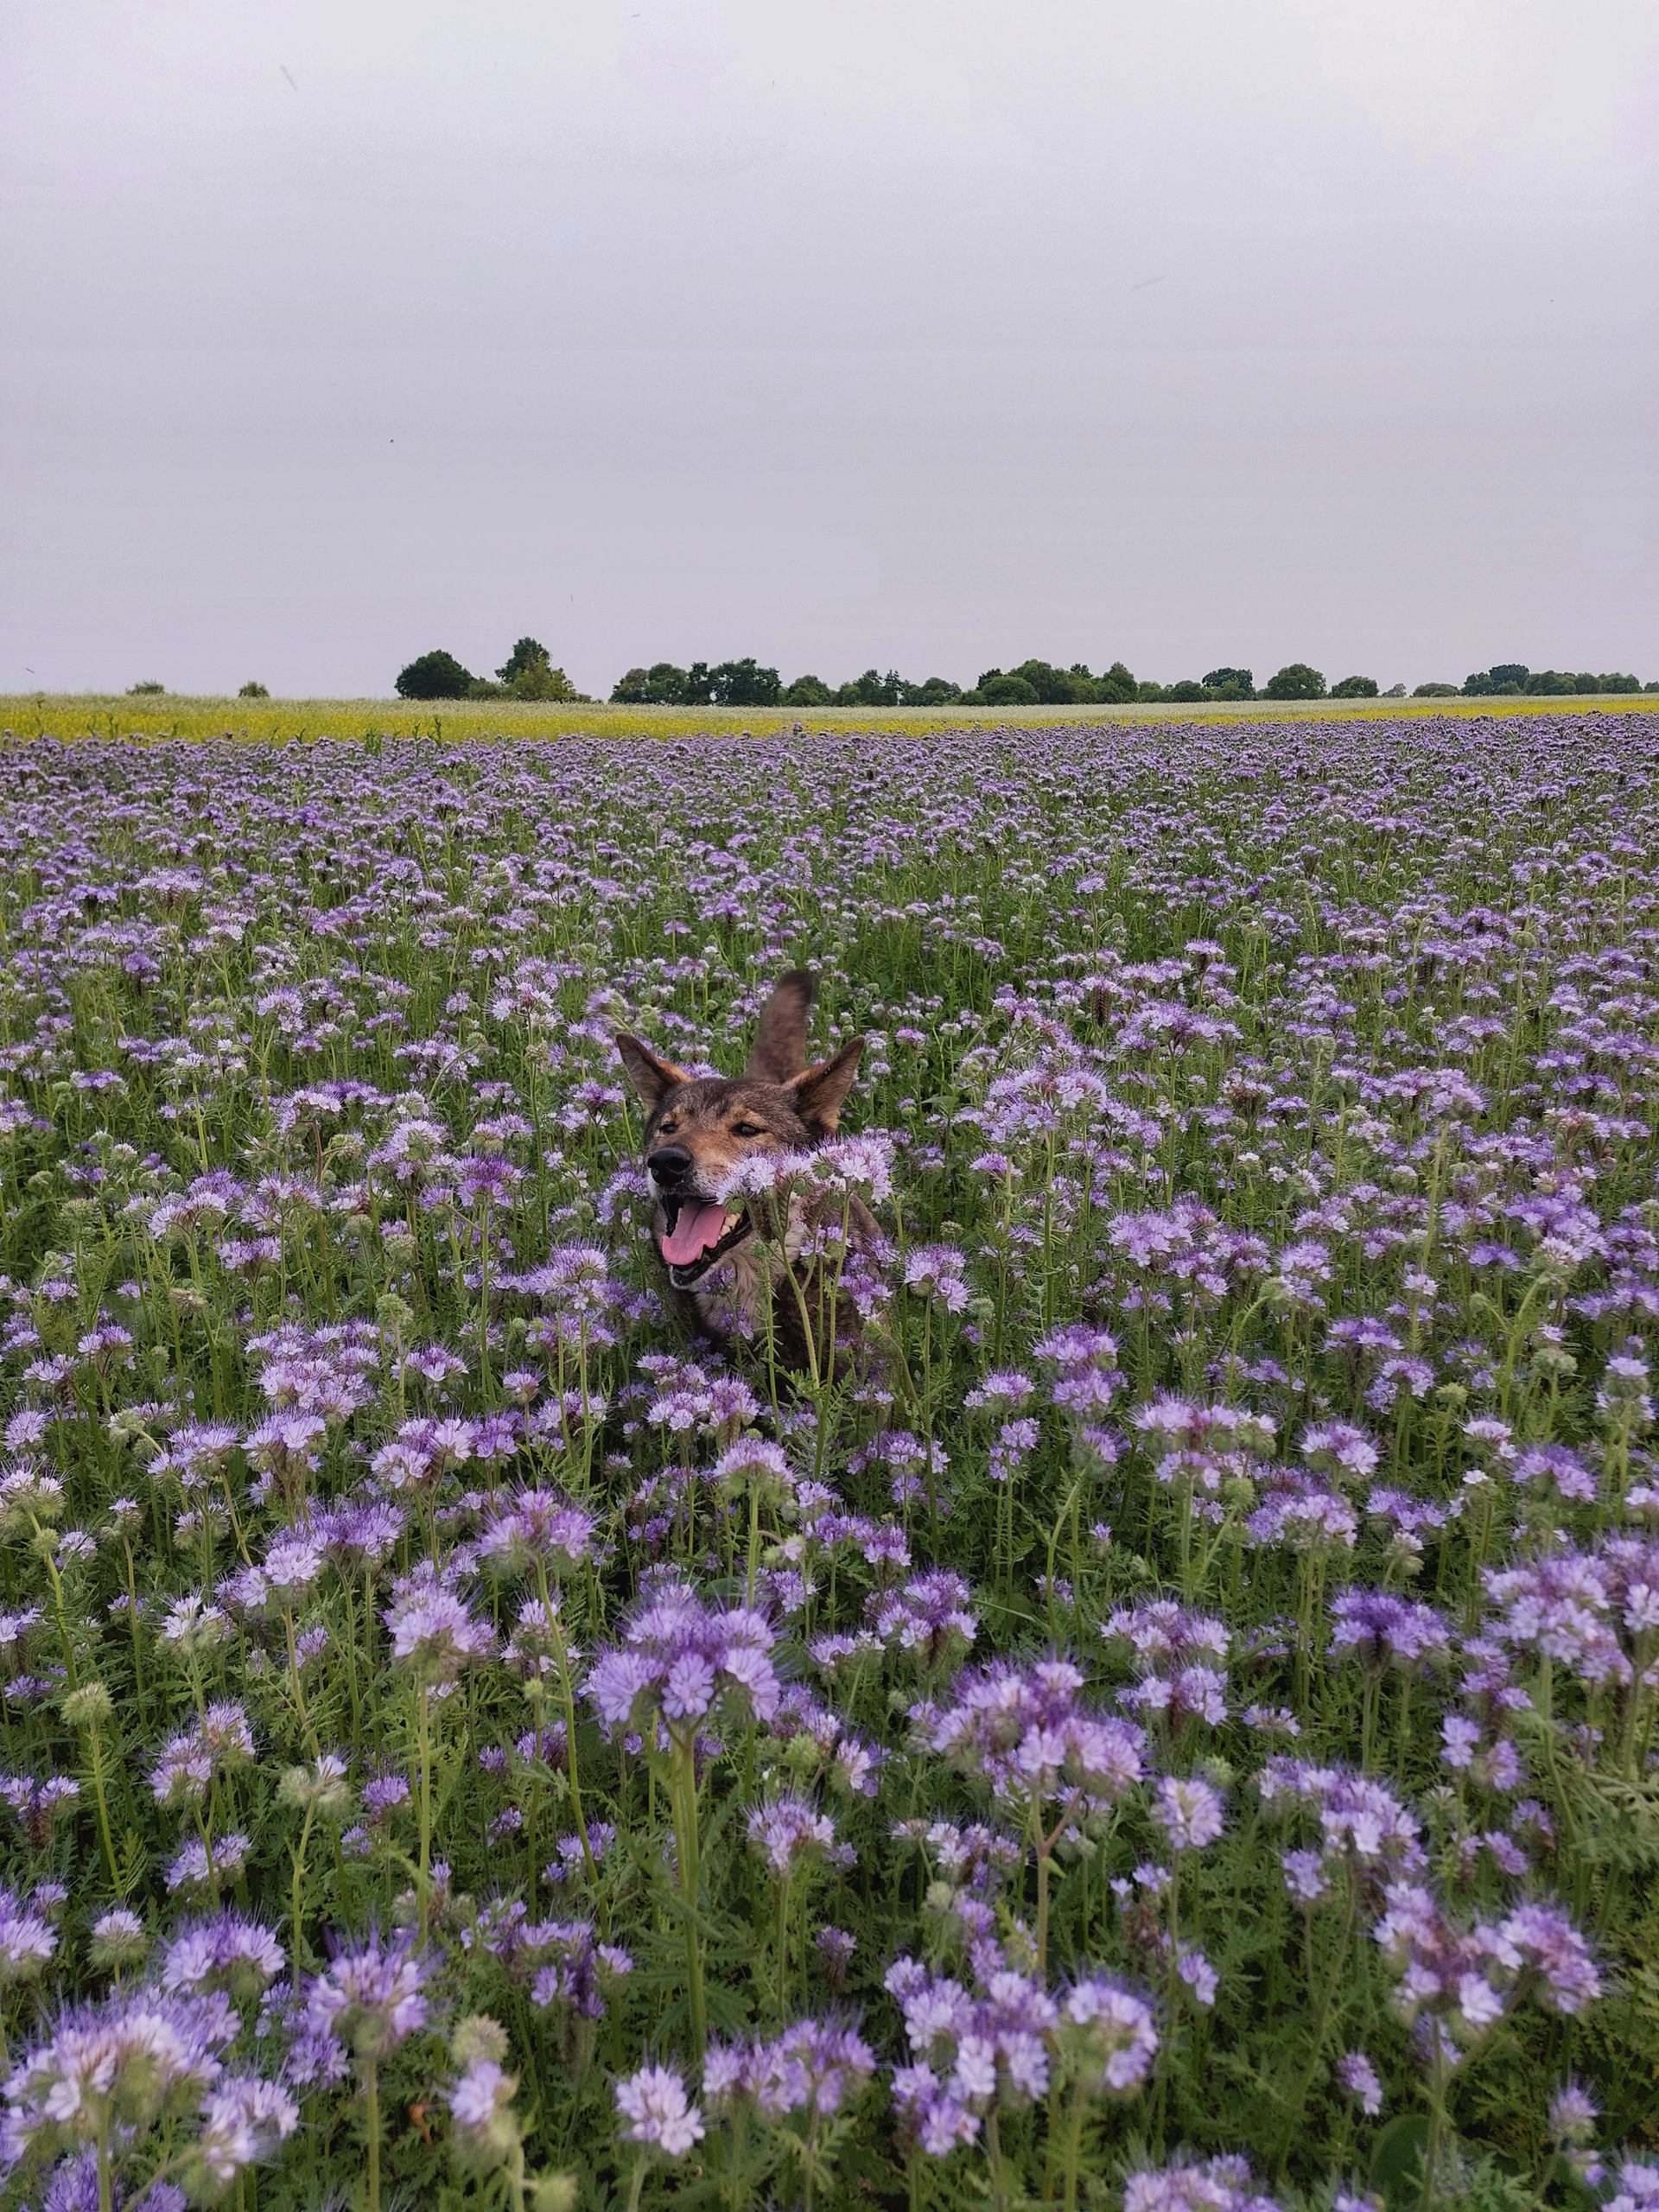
778,1053
821,1092
652,1079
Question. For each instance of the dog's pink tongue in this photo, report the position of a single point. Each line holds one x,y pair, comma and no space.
698,1228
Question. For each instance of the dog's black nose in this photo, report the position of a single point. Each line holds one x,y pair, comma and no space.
670,1164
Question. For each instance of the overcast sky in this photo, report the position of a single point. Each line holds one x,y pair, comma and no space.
837,332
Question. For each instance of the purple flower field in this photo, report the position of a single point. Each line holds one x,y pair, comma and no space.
1164,1721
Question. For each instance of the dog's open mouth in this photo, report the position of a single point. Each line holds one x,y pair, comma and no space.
699,1233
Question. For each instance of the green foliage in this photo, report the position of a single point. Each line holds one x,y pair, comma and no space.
1296,680
996,689
529,653
253,691
1436,691
1355,686
150,688
660,685
436,675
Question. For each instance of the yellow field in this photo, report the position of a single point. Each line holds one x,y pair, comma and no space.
288,721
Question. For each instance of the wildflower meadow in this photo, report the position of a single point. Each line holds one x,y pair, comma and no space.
1162,1720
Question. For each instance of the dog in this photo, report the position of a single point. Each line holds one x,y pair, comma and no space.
699,1129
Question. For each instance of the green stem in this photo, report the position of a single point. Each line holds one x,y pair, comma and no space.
425,1742
683,1794
97,1750
297,1907
371,2091
1074,2144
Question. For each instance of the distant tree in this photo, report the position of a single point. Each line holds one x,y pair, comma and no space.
540,680
666,684
1296,680
1231,682
1394,691
934,691
1355,686
808,691
528,653
146,689
1149,693
699,690
996,689
528,673
870,689
434,676
1116,687
1505,679
1056,687
743,683
1187,691
253,691
1436,691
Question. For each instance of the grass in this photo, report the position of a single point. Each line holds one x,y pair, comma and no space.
74,717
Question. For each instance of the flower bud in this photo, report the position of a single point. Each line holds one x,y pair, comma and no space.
89,1706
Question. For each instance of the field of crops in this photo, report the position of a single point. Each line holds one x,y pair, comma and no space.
303,721
1166,1721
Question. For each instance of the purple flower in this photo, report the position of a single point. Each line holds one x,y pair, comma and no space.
1190,1812
480,2093
940,1272
1109,2033
1573,2114
1552,1466
243,2119
1360,1820
538,1527
1361,2082
370,1997
678,1657
570,1975
930,1616
1560,1606
654,2103
789,1831
967,2050
1025,1730
834,1949
1542,1941
1382,1630
1207,2185
228,1952
816,2066
432,1632
117,2063
26,1941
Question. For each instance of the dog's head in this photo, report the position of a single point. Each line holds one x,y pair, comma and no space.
698,1128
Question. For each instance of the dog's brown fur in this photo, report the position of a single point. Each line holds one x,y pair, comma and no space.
698,1128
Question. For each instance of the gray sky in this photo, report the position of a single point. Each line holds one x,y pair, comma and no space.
833,331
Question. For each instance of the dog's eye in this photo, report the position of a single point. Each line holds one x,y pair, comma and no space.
667,1129
748,1129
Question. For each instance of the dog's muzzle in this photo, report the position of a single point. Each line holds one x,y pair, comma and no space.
698,1232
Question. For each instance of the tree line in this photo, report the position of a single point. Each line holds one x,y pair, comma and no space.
528,673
